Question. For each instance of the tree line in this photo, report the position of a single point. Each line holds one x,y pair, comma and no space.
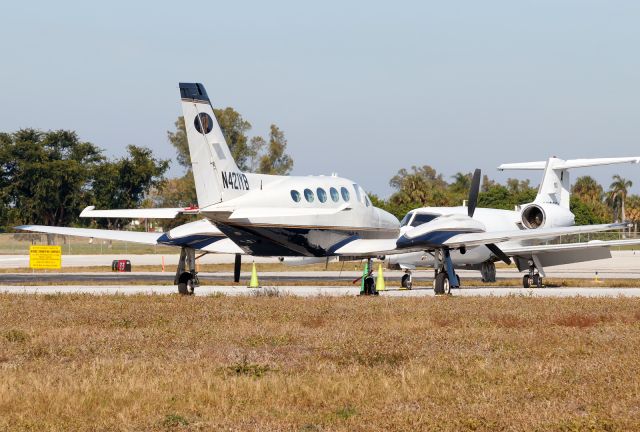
590,202
48,177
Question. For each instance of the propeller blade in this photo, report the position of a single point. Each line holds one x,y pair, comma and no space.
472,202
236,268
498,252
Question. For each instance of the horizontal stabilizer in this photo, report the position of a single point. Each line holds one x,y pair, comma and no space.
568,164
144,213
130,236
539,165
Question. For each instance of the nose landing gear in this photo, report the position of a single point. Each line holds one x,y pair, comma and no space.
445,276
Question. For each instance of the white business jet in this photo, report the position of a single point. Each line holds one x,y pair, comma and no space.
289,216
549,209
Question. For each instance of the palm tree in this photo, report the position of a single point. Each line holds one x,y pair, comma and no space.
461,182
618,192
587,189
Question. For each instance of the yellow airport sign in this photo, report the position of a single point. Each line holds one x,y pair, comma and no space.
45,257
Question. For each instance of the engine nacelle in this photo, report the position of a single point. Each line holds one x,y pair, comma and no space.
545,215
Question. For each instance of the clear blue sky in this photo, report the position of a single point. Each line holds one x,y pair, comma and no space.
360,88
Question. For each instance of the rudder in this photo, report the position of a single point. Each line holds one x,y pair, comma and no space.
216,175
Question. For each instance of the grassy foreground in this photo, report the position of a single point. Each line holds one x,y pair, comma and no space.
79,362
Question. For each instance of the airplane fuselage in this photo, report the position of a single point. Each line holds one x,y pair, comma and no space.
492,219
299,215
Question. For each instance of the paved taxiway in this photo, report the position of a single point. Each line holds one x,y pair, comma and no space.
320,291
624,264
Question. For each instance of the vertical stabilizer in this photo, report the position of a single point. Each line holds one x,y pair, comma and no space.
217,177
555,187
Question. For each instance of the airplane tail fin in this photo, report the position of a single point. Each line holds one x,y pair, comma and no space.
555,186
217,177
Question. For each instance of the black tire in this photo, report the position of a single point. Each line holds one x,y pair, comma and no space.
447,286
526,282
405,282
185,284
182,288
439,286
369,286
538,281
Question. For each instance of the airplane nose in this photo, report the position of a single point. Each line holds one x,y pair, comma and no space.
386,219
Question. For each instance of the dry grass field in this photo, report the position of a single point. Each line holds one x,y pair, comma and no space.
79,362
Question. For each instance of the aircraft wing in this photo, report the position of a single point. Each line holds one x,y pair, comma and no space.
372,247
521,250
482,238
212,241
559,254
130,236
143,213
224,246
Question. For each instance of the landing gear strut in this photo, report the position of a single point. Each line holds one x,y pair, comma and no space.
369,281
445,276
187,280
533,279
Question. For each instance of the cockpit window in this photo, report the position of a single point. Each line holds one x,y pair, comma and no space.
405,220
422,219
366,199
361,195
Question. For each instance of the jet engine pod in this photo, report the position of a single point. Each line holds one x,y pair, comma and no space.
547,215
533,216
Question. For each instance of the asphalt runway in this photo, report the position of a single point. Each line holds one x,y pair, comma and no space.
420,277
623,264
310,291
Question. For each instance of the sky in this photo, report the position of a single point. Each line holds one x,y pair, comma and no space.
359,88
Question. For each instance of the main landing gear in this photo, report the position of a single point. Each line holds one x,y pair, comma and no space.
406,281
445,276
187,280
369,283
533,279
488,271
187,276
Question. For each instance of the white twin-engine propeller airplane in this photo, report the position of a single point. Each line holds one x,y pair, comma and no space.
292,216
549,209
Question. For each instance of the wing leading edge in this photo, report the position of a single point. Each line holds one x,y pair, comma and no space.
374,247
